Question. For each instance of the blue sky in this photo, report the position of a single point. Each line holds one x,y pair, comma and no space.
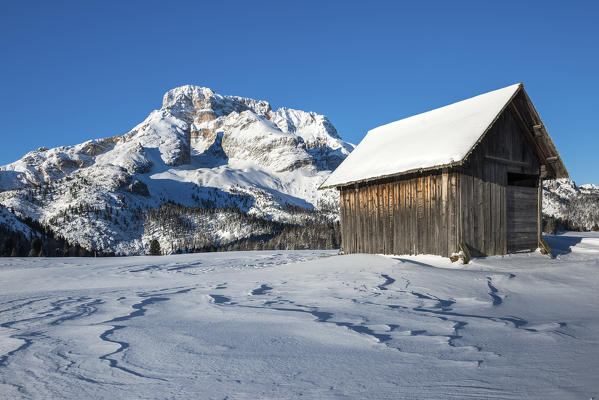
73,71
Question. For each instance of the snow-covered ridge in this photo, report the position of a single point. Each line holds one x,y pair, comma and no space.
199,148
250,128
576,205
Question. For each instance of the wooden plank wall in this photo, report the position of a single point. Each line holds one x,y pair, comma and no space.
413,215
484,214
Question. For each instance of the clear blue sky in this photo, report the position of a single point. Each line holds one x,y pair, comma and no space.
72,71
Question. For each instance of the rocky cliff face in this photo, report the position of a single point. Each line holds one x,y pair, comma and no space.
249,130
200,150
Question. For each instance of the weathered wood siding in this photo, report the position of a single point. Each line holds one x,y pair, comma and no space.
486,225
412,215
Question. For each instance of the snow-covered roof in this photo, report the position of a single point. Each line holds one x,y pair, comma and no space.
441,137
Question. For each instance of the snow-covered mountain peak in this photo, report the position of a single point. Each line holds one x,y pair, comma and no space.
186,96
202,108
250,130
203,104
200,149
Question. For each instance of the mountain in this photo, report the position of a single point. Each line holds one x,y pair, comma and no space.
204,170
567,206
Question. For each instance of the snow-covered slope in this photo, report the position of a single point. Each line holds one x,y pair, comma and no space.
9,222
201,149
576,206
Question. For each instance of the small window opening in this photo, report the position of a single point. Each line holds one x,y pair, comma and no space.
525,180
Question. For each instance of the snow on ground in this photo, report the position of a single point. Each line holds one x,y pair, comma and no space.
289,324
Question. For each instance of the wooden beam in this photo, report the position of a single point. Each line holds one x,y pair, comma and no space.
539,130
548,145
544,173
540,211
544,247
530,135
463,248
507,161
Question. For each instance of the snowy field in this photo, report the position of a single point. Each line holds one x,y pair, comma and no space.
311,324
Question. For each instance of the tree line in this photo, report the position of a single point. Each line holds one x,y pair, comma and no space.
41,242
185,229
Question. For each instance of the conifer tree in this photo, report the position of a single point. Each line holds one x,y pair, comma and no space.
155,248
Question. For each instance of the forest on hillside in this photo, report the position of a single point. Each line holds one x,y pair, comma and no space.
184,229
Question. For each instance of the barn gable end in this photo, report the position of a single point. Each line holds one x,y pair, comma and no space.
501,175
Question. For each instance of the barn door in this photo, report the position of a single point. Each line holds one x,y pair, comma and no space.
522,212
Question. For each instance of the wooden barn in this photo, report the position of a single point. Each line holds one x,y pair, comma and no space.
465,176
